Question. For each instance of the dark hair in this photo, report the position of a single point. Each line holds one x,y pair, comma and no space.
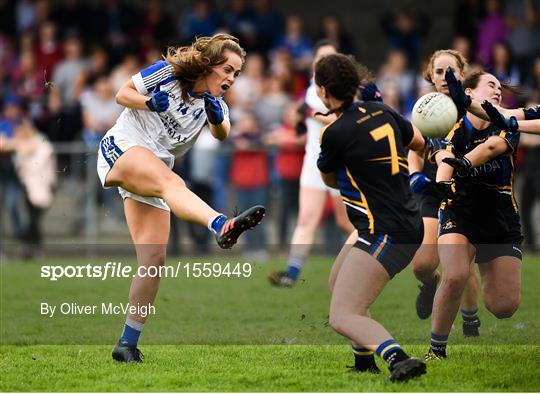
471,81
326,42
338,74
197,60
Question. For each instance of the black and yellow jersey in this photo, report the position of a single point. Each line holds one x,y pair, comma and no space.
498,173
365,147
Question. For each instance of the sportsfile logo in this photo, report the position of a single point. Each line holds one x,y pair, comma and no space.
120,270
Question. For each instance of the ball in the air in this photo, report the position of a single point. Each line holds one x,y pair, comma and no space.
434,114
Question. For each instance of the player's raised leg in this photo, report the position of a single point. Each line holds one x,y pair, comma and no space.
139,171
149,229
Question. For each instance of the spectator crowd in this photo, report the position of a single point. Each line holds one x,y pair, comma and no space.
61,64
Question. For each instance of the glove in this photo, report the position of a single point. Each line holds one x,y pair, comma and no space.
419,182
446,190
462,100
462,165
159,101
213,109
498,119
370,92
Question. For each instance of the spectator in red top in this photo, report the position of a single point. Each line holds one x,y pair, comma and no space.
48,50
250,177
289,166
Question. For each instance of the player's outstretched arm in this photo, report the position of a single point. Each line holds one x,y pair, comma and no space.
465,103
531,126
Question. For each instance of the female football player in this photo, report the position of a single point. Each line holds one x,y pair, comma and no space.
313,192
479,216
426,260
363,155
167,105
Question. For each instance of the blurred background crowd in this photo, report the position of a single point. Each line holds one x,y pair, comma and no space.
61,63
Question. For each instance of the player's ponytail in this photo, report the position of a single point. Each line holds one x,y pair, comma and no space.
338,74
196,61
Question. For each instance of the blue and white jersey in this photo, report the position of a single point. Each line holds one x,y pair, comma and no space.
175,129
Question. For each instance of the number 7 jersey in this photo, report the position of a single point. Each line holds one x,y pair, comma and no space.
365,147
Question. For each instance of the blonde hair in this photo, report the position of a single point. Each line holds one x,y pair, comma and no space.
460,59
196,61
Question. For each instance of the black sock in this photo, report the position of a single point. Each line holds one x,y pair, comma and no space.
391,352
364,359
469,316
438,344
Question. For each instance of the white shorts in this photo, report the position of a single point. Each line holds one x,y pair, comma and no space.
113,145
311,176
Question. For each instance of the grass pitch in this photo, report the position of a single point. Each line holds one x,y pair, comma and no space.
227,334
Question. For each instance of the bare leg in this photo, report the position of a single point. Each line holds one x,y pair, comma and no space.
426,259
140,171
469,300
359,282
501,279
338,262
149,229
455,253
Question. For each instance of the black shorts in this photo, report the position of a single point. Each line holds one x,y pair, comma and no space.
493,234
393,251
429,206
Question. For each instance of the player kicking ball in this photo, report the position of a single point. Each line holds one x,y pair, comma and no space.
363,155
167,105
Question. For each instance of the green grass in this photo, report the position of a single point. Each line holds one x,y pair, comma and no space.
242,335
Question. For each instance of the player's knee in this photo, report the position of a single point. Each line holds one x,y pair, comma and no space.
454,283
337,322
503,309
151,255
423,268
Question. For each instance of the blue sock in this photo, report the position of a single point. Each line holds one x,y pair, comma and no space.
438,344
391,352
131,333
294,266
217,223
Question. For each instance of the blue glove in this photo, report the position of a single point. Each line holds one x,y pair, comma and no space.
370,92
159,101
498,119
419,182
213,109
462,100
